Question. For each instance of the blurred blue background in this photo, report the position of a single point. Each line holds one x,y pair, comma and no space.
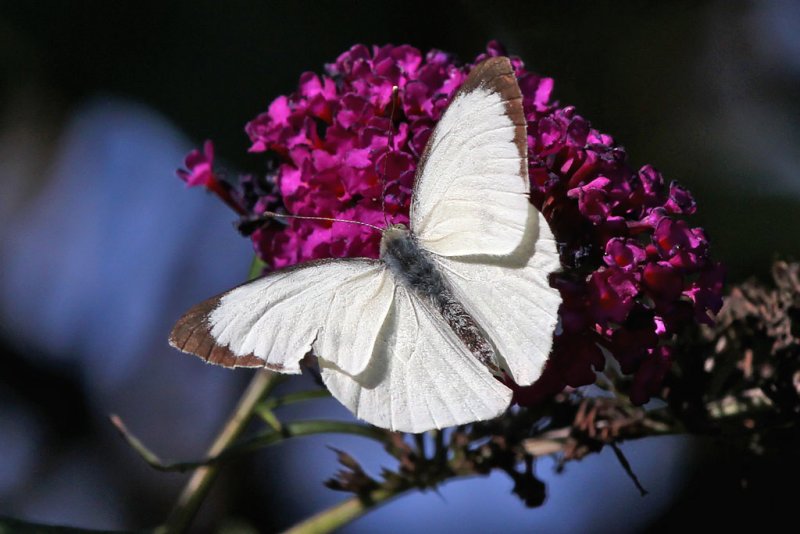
102,248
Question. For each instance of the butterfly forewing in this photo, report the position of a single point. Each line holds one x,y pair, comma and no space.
471,191
336,307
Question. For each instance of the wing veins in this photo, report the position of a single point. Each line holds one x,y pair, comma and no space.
483,373
430,379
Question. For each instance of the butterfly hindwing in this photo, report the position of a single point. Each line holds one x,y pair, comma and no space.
511,299
421,376
337,307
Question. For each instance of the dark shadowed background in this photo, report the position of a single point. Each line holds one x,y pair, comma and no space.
101,247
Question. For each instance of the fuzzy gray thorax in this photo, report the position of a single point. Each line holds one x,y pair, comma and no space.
412,266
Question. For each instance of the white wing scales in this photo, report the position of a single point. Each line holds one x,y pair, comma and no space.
355,317
471,210
421,375
471,196
336,307
511,299
383,353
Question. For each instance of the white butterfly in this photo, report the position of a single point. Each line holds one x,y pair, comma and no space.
413,341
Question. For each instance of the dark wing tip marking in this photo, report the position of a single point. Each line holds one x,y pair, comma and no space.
192,334
497,75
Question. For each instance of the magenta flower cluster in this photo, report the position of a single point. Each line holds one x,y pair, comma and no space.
636,272
347,147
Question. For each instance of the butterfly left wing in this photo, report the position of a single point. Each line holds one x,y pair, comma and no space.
335,307
421,375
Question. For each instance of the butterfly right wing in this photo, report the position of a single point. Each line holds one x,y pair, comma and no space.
420,377
471,190
471,211
335,307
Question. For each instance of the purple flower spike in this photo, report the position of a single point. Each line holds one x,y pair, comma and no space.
681,245
200,171
648,378
344,145
706,293
663,281
652,187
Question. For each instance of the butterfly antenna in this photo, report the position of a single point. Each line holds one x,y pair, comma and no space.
395,96
309,218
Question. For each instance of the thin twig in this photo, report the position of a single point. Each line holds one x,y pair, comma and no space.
294,429
547,443
419,439
439,448
344,512
136,444
298,429
270,418
626,465
292,398
200,482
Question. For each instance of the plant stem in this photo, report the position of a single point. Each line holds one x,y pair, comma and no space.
344,512
296,429
200,482
258,441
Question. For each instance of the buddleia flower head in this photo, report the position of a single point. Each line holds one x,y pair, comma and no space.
346,145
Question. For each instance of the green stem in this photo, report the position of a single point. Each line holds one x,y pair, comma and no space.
292,398
344,512
294,429
200,482
298,429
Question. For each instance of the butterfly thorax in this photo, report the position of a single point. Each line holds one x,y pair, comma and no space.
410,264
416,270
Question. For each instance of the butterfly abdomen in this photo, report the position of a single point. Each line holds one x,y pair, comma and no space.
416,270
